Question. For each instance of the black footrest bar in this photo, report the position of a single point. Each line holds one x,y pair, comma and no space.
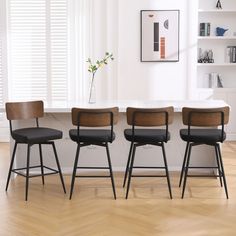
16,171
92,176
93,167
148,176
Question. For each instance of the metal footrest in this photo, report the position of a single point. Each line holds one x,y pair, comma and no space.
206,176
149,167
148,176
203,167
17,171
94,168
92,176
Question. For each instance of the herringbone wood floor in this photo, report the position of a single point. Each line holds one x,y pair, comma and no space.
93,212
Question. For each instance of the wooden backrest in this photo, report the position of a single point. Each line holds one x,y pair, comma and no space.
149,116
205,116
94,117
24,110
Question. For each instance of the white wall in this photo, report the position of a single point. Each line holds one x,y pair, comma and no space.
105,39
149,80
116,28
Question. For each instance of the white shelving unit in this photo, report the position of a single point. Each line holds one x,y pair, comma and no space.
224,18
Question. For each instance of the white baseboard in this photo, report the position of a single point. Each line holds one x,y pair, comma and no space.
4,134
231,137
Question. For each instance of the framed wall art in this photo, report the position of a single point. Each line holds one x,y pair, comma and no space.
160,35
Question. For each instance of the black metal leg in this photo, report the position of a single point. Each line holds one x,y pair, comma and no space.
130,171
166,168
218,164
11,165
41,162
27,172
223,172
186,170
74,170
59,167
184,162
128,163
110,168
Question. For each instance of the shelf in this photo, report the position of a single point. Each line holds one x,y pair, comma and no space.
216,64
205,89
217,90
216,11
225,89
216,37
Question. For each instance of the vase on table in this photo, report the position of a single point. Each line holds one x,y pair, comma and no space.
92,92
93,67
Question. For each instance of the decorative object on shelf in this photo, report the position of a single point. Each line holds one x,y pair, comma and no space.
218,5
92,68
160,35
206,56
210,56
199,60
204,29
231,54
220,31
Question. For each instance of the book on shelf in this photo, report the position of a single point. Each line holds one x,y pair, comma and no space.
231,54
215,80
219,81
204,29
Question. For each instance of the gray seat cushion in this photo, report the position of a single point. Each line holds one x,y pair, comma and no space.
147,135
92,135
36,135
202,135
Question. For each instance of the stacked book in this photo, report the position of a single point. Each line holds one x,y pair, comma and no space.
215,80
231,54
204,29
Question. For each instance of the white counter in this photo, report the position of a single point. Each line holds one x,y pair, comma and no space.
60,107
58,116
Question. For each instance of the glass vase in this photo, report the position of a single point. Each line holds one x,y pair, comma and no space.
92,92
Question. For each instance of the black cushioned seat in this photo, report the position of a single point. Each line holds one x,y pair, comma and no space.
205,127
92,135
95,132
36,135
150,131
202,135
31,136
147,135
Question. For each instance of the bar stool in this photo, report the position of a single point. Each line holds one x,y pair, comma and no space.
99,137
146,117
204,119
31,136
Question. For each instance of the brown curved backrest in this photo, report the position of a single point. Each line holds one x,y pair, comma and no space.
94,117
24,110
149,116
205,116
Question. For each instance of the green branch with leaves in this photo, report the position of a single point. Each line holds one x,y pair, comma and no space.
93,67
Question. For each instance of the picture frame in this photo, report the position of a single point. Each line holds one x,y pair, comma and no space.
159,35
